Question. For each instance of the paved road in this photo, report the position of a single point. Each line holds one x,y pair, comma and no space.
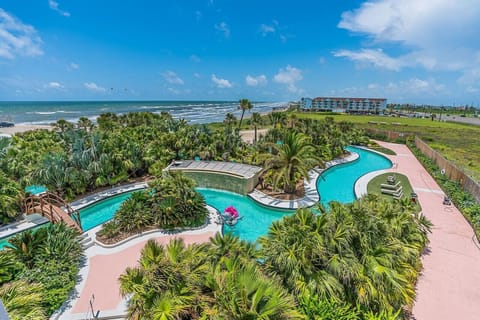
474,121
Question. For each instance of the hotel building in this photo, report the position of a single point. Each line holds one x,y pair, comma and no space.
348,105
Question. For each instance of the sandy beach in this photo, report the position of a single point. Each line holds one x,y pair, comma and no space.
249,135
22,128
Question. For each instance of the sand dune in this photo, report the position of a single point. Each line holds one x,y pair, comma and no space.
22,128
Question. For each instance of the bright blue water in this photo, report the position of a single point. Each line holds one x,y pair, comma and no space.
101,211
35,189
255,218
46,112
337,183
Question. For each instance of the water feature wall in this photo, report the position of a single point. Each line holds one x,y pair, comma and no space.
223,181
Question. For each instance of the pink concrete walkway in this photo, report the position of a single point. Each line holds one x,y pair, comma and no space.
104,271
449,287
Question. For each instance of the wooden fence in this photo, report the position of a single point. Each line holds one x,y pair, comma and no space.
450,169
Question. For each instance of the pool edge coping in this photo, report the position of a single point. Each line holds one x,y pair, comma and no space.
310,187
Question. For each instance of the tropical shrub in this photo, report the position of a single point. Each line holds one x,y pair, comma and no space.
169,202
23,300
10,198
365,253
188,282
47,260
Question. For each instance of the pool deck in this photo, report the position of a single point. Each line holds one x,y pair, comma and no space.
28,223
311,194
449,285
88,200
32,221
103,266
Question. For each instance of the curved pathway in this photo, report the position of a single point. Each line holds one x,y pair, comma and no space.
449,286
98,286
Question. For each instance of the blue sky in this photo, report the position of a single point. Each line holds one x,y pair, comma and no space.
417,51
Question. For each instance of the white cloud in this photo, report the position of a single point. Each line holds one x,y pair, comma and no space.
377,58
171,77
54,85
92,86
412,86
17,38
197,75
221,83
471,89
436,34
265,29
255,81
194,58
223,28
73,66
174,91
289,76
54,6
322,60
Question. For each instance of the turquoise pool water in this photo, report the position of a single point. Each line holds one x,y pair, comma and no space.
94,214
101,211
255,218
35,189
337,183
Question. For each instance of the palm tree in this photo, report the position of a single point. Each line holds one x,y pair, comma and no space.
256,120
85,123
166,285
229,120
366,253
241,291
244,106
294,158
63,125
54,173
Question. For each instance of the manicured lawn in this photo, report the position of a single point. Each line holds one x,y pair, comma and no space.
374,185
383,150
457,142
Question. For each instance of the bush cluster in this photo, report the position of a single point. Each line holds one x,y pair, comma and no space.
169,202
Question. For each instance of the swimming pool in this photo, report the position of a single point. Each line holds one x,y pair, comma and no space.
336,183
255,220
101,211
35,189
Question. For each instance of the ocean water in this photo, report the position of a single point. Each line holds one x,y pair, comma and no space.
47,112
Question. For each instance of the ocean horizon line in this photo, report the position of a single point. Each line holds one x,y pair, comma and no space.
194,111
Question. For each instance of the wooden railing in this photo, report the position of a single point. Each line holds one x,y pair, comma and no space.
54,208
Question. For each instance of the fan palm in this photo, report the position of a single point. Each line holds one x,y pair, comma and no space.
294,158
256,120
245,105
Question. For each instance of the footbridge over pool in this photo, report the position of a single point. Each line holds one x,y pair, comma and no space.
231,176
54,208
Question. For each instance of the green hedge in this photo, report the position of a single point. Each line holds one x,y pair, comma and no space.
463,200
